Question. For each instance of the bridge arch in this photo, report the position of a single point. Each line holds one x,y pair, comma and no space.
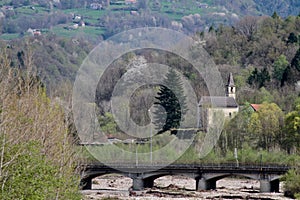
150,178
268,183
87,178
208,181
219,176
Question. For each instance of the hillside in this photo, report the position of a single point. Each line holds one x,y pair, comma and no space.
94,20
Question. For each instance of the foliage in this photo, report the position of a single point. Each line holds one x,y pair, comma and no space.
31,176
280,66
266,125
107,123
235,133
171,98
292,130
292,182
292,38
55,60
296,60
37,158
259,78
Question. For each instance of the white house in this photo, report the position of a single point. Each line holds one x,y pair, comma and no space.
218,106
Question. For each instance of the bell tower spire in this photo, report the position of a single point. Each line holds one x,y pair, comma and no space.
230,87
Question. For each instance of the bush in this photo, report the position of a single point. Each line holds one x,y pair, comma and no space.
292,182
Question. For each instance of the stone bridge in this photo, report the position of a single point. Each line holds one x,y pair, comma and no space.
206,175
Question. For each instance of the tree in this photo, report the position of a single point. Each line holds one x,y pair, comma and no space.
37,159
248,27
292,182
296,60
259,78
275,16
171,98
292,38
292,130
143,4
107,123
235,133
266,124
280,66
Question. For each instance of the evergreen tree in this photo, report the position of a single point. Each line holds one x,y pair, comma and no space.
296,60
259,78
275,16
292,38
280,66
171,98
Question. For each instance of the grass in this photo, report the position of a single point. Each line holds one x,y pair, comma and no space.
4,2
87,13
93,17
90,32
7,36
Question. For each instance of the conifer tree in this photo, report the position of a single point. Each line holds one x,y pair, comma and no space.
171,98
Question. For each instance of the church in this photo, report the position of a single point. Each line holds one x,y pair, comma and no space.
209,106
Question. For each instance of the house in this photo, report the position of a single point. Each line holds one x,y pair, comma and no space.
34,32
37,32
203,5
134,13
81,23
77,18
255,107
128,2
75,26
6,8
211,107
96,6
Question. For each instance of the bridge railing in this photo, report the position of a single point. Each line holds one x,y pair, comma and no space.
269,166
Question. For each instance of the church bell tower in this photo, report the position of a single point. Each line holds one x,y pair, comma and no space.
230,87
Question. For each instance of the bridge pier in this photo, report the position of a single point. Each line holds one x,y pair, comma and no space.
86,184
265,186
138,183
203,184
269,186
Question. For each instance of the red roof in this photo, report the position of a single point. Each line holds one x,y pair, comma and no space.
255,106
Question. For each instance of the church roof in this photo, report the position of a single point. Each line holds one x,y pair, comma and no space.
218,102
230,80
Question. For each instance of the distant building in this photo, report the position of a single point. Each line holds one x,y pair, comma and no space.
37,33
34,32
75,26
203,5
2,15
5,8
218,106
77,17
81,23
128,2
96,6
134,13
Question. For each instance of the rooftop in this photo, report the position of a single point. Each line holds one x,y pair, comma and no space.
218,101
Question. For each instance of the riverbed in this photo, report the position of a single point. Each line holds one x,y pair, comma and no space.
177,187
